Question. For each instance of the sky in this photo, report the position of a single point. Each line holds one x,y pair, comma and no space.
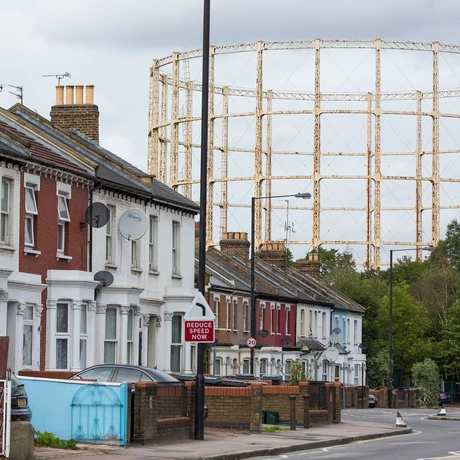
112,44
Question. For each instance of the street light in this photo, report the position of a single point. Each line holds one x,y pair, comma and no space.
305,195
390,339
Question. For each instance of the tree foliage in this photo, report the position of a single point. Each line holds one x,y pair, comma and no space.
426,379
297,375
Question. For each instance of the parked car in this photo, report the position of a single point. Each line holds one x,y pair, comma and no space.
444,398
117,373
20,410
372,401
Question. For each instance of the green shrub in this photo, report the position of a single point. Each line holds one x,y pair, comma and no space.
426,379
47,439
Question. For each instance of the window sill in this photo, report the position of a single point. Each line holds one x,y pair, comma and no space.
31,251
136,271
154,272
63,257
6,248
175,276
112,266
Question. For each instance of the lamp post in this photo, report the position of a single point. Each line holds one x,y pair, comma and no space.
305,195
390,339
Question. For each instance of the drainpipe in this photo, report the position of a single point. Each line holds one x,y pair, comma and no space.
90,262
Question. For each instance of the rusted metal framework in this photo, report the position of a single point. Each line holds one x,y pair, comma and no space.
171,146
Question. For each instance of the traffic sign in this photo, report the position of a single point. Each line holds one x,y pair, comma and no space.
199,309
251,343
199,331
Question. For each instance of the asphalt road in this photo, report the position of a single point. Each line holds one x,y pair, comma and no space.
430,440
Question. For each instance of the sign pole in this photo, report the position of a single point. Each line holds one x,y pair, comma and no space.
199,387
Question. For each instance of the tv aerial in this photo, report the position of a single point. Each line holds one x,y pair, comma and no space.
59,76
133,224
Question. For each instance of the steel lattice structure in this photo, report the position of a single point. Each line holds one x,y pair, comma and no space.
172,117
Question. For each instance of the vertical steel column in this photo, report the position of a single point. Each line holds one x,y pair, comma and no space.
435,230
162,167
268,172
188,141
316,176
369,188
224,163
174,123
258,177
377,162
154,110
211,181
418,177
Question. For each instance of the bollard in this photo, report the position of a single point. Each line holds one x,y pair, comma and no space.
306,411
292,418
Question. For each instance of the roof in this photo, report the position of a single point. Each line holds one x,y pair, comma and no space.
112,171
310,343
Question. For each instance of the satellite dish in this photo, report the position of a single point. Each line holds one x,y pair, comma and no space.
133,224
334,338
97,215
263,333
286,340
331,353
105,278
337,330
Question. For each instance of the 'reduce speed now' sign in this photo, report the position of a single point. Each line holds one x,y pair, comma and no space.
199,321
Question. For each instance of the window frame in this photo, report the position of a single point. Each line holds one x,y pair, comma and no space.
153,243
5,221
176,345
175,248
111,340
109,227
63,336
30,213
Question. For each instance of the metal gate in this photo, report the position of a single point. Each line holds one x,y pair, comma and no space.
98,416
5,417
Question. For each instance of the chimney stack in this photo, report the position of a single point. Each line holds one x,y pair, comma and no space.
74,112
311,267
235,244
274,253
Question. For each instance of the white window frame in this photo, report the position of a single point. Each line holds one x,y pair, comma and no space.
31,212
109,234
83,336
153,243
261,315
278,319
234,315
227,314
110,340
175,248
63,218
288,311
216,311
130,337
135,254
63,335
325,369
28,323
5,211
178,344
263,369
355,331
323,324
302,322
245,316
272,319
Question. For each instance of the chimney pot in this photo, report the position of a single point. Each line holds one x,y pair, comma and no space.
59,95
79,94
69,95
90,94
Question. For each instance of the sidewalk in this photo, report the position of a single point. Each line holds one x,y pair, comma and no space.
231,445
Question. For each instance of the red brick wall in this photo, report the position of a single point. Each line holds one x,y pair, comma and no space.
45,227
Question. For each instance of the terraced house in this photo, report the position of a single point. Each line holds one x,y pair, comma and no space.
75,291
298,316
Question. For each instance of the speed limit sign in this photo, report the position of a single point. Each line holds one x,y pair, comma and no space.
251,343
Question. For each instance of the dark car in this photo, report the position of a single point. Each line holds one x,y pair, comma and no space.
20,410
372,401
117,373
444,398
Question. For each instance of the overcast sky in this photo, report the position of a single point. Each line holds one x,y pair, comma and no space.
112,44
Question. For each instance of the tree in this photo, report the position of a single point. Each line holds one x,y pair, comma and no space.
297,375
448,249
411,343
448,348
378,370
332,260
425,376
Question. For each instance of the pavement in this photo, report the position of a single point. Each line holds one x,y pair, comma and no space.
233,445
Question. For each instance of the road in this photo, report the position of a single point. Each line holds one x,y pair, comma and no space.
430,440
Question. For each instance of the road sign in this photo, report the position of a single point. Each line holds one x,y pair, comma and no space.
199,309
199,331
251,343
